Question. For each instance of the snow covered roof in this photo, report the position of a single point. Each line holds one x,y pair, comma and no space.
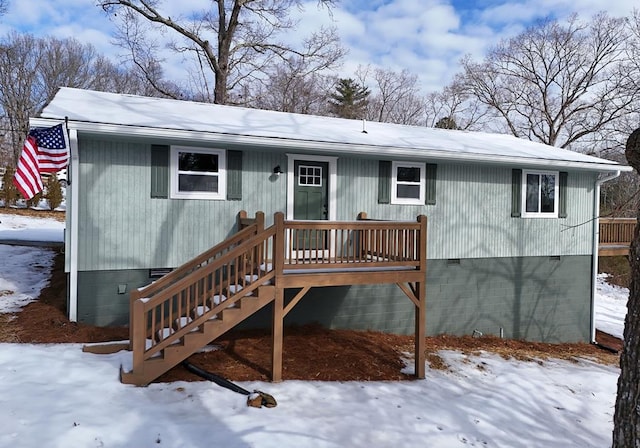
111,113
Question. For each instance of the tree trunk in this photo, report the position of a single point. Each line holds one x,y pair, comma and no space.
626,420
220,88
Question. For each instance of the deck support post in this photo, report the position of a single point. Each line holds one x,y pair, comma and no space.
420,319
421,309
277,336
277,324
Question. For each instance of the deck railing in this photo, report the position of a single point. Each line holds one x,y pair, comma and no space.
615,237
363,244
617,230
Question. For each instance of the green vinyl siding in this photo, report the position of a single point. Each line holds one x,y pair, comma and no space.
529,298
535,298
99,301
120,227
472,217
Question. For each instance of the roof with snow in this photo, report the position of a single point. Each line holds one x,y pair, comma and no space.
111,113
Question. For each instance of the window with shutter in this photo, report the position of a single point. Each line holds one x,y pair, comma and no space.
540,194
408,183
197,173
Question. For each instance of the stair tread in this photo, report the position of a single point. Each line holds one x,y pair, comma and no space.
191,342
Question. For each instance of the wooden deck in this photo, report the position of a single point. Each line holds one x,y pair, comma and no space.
615,237
185,310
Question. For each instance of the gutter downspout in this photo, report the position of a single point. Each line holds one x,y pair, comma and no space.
596,243
72,232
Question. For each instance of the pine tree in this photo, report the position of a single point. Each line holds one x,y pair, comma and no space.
54,192
350,99
446,123
9,192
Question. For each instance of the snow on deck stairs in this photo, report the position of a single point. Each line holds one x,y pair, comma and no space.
193,341
196,303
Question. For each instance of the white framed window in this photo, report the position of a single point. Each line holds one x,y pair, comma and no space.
540,194
197,173
407,183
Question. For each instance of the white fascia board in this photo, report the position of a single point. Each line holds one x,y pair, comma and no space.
387,152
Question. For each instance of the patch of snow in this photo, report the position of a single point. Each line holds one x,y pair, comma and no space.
24,272
483,401
26,228
611,307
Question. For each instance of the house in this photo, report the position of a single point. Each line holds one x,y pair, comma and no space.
512,224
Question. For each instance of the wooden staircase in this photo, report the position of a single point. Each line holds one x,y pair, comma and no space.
196,303
193,305
181,348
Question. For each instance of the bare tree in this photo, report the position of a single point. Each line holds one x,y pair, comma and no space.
455,105
556,83
32,70
19,59
233,41
291,87
396,97
620,197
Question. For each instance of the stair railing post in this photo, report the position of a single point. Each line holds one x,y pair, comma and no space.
138,336
359,250
242,215
260,221
278,244
133,296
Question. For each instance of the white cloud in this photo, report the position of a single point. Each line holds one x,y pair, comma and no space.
427,37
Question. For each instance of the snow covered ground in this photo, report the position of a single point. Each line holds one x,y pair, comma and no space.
57,396
611,307
24,228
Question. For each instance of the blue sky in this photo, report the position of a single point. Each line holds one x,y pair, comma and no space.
426,37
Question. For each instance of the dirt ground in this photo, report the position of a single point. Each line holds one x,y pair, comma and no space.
309,352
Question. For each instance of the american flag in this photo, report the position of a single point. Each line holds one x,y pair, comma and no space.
46,150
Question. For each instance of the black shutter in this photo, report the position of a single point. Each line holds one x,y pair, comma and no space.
430,183
516,193
234,175
562,195
159,171
384,182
